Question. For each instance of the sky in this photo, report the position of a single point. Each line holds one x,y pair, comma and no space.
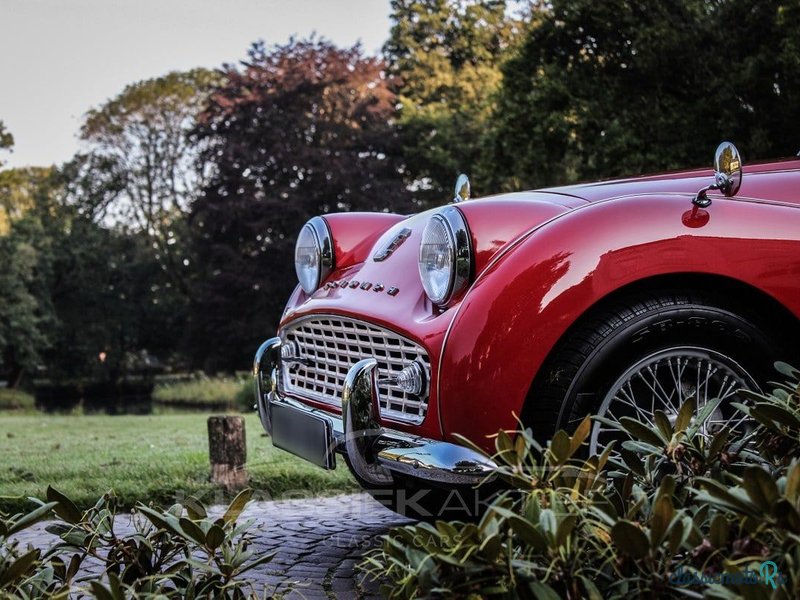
58,58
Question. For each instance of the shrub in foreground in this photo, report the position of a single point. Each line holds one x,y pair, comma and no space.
671,509
181,552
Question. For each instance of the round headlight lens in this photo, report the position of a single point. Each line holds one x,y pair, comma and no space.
445,258
436,254
313,254
307,259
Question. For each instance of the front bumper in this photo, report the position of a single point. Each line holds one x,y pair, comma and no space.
373,452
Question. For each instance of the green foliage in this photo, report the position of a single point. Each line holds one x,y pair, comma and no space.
142,169
6,139
181,552
26,313
220,392
447,56
671,505
600,89
15,400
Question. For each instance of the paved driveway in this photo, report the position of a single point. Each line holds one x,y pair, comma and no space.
318,543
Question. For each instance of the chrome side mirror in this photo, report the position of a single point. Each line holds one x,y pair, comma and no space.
727,174
462,188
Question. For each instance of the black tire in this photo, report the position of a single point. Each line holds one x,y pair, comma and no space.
603,345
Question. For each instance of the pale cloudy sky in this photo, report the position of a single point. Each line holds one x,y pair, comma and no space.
58,58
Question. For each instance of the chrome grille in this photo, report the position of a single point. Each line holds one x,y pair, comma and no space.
329,346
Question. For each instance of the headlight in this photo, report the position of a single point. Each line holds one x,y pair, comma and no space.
445,256
313,254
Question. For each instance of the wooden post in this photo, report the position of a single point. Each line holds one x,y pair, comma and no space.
227,450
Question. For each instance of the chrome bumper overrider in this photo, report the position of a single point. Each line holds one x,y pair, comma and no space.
373,452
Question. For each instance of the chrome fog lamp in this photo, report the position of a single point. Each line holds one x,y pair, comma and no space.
289,350
445,256
313,254
411,379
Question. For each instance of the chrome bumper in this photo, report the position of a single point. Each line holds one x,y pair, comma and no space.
374,452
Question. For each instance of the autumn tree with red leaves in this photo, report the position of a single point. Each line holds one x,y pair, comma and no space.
295,131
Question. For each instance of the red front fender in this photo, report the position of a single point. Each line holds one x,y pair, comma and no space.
523,303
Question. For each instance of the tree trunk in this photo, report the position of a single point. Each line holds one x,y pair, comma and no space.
227,450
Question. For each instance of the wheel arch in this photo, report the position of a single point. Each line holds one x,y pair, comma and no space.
765,309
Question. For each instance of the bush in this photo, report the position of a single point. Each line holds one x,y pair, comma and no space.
671,512
177,553
217,393
12,399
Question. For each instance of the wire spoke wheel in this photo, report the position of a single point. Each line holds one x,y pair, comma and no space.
664,381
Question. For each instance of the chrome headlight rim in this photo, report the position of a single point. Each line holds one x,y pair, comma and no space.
461,250
323,240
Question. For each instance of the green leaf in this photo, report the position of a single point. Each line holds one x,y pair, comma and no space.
660,520
100,591
705,412
760,487
65,507
793,482
237,506
490,547
663,424
685,414
719,442
505,447
787,370
29,519
195,509
19,568
641,447
542,591
630,539
547,522
192,530
590,589
215,537
718,532
641,432
779,414
580,435
560,446
161,520
731,499
565,528
256,563
115,587
528,533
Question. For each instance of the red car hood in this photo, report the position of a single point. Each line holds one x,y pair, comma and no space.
774,180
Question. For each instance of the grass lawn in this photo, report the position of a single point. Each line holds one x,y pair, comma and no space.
143,458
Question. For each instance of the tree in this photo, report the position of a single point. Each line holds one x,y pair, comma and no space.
6,139
599,89
19,189
447,54
141,171
297,130
26,314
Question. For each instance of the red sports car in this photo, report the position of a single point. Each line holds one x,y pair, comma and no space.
611,298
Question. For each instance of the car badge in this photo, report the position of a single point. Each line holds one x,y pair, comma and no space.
393,245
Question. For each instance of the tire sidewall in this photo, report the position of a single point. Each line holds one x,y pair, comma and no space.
690,325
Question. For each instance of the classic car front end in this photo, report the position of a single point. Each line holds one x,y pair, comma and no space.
406,333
